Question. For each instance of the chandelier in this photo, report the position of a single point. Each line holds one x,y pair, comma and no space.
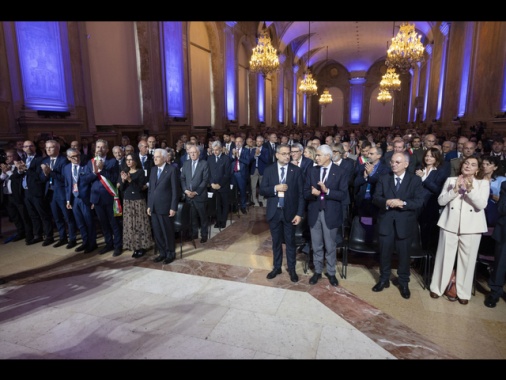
406,49
325,98
384,96
390,80
265,57
308,84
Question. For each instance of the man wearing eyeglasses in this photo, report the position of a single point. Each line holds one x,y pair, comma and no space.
35,203
78,179
298,158
398,197
282,186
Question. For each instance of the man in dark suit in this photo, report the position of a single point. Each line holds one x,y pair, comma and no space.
398,196
498,274
53,176
282,185
468,150
240,160
35,202
325,188
298,159
145,157
348,166
219,178
365,183
78,178
259,161
399,147
104,197
271,146
163,198
194,180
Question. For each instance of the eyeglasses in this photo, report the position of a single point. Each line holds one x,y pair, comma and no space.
284,154
77,155
295,151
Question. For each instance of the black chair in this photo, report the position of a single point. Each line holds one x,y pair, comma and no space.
182,223
417,253
303,237
211,211
486,256
362,238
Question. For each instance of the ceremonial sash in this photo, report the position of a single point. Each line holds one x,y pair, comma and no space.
112,190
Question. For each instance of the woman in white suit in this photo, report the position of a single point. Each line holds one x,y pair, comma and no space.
461,223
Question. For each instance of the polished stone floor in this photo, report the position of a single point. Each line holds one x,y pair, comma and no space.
216,303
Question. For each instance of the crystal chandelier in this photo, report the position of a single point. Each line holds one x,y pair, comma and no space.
384,96
325,98
390,80
308,84
265,57
406,49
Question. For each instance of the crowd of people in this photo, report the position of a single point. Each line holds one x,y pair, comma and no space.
451,186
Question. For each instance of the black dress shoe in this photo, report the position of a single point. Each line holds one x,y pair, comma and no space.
169,259
48,242
34,241
380,286
274,273
135,254
491,301
81,248
405,293
157,259
90,249
106,249
71,244
332,279
203,240
117,252
313,280
243,210
141,252
293,276
433,295
59,243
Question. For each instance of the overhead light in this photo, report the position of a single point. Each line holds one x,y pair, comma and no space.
265,57
406,49
326,97
390,80
308,84
384,96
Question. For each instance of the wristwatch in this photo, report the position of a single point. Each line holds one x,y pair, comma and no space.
404,203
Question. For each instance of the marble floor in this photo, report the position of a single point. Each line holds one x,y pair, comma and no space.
216,303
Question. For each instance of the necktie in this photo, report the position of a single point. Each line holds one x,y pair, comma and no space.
281,200
236,169
159,172
398,184
143,160
322,195
216,159
28,161
194,165
74,179
51,164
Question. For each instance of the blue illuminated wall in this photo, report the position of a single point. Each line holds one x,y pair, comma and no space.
294,96
42,66
261,98
174,75
230,73
445,29
281,96
356,97
466,64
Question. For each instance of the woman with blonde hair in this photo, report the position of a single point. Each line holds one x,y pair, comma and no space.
462,223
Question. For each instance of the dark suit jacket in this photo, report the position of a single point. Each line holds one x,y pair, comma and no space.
85,179
338,185
263,160
219,172
400,219
272,152
305,164
36,187
99,194
199,182
499,233
431,188
164,193
244,161
451,154
360,183
294,200
56,176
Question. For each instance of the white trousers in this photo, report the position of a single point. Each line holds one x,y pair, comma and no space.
465,247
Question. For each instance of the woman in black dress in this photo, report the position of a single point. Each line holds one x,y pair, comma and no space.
137,234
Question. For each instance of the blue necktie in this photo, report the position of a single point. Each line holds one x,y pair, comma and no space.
28,161
281,200
159,172
398,184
